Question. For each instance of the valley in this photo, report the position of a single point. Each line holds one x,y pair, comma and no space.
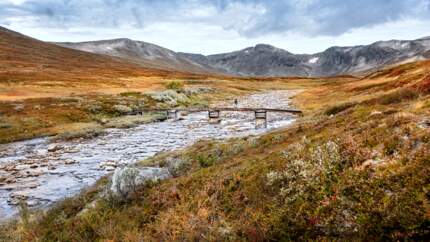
74,166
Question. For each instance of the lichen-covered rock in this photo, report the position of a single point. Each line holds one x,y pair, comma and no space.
126,180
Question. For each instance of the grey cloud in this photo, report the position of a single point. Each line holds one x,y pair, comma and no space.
311,17
332,17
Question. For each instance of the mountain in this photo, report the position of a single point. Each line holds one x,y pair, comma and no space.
26,59
261,60
266,60
143,53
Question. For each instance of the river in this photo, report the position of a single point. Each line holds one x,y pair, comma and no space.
42,171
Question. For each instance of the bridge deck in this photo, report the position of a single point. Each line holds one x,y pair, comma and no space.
277,110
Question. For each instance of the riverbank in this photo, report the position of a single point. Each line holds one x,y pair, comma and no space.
355,168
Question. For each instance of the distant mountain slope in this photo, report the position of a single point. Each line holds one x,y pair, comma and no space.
266,60
143,53
25,58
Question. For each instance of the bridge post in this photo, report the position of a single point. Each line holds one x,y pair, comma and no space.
260,118
172,114
214,116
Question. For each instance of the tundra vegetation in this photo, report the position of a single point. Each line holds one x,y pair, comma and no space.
355,167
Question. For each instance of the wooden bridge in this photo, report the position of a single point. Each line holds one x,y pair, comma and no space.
214,112
219,109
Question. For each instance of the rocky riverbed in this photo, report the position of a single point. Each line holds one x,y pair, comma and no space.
43,171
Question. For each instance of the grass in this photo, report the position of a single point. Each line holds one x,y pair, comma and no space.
352,176
175,85
339,108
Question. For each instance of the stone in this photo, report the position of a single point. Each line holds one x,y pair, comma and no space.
108,165
125,180
375,114
69,162
35,173
109,168
17,197
10,180
54,148
424,124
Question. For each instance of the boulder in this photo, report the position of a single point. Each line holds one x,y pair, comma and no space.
126,180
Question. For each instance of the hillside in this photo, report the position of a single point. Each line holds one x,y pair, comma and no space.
32,68
356,167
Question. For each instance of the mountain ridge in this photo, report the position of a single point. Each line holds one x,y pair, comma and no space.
140,52
265,60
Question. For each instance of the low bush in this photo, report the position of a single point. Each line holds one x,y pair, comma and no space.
399,96
339,108
122,109
4,124
175,85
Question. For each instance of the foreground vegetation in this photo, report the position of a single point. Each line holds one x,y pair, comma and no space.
355,167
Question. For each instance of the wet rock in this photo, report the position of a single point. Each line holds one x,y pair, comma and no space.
54,148
109,168
10,168
32,203
109,165
35,173
32,185
70,162
51,167
41,151
21,167
10,180
29,162
17,197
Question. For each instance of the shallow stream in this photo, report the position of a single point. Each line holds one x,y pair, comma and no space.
42,172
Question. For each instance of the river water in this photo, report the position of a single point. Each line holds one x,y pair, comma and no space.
41,171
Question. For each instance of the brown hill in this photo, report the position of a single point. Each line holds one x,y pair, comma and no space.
38,66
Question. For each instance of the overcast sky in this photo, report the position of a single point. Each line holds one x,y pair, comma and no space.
215,26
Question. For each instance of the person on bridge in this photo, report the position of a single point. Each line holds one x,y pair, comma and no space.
235,102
